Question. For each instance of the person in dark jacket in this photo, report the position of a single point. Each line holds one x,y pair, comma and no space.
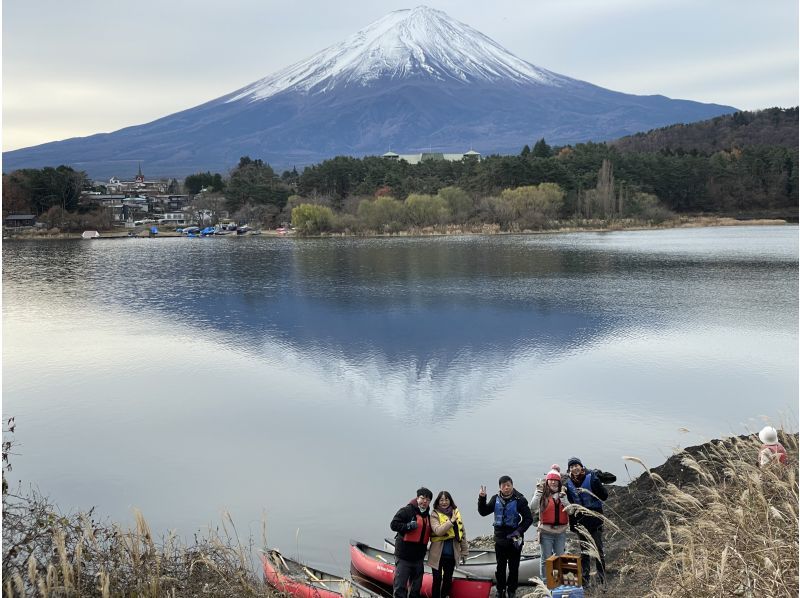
512,517
584,488
413,526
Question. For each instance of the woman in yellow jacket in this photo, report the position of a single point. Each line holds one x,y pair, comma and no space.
448,543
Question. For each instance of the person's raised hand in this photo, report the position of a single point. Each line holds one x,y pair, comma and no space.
482,491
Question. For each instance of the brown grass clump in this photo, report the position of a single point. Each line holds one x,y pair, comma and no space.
731,529
49,554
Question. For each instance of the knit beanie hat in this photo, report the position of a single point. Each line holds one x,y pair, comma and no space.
573,461
555,466
553,474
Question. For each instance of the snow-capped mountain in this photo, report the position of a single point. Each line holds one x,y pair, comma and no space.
413,80
406,43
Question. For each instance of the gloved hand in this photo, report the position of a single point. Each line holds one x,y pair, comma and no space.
411,524
514,534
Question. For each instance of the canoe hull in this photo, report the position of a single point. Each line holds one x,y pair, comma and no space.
379,565
483,563
299,584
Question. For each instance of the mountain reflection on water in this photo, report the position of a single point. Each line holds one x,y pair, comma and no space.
434,320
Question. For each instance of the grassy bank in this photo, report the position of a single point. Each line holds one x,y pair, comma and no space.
706,523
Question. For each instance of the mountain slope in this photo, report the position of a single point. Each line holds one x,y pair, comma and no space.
413,80
773,126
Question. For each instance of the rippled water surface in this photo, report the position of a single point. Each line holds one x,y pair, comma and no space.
318,383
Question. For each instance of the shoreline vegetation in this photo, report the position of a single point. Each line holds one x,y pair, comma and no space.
743,166
708,522
594,226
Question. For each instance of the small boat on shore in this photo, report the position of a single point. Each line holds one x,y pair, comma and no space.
377,564
298,580
483,563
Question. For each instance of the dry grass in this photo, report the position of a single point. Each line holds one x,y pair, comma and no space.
733,531
49,554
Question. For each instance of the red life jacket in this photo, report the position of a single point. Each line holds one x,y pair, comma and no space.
554,513
422,533
777,449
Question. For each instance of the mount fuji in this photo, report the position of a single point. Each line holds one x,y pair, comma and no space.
413,80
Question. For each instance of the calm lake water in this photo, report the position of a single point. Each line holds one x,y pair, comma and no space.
318,383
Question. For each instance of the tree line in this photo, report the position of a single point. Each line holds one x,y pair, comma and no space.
537,188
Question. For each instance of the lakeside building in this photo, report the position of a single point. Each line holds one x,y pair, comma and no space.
431,156
19,220
138,185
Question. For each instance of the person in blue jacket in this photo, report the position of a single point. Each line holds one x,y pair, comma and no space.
584,488
512,517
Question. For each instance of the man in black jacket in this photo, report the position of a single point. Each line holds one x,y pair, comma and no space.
584,488
512,517
413,526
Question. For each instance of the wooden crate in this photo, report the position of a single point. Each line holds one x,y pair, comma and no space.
563,570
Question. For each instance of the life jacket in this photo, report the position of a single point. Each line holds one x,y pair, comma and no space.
506,513
586,498
553,513
420,534
457,531
777,449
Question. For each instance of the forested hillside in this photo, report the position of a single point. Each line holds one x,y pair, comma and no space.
774,126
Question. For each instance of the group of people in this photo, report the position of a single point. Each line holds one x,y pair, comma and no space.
573,501
563,502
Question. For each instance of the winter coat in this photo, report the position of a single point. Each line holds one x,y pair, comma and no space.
524,518
580,495
441,527
772,453
411,545
546,528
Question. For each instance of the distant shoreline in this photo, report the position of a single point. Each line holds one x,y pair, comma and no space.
615,226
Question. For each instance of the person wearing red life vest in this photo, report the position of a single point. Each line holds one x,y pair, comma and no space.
550,500
771,451
412,523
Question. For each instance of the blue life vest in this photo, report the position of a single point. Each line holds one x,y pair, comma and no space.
585,498
506,513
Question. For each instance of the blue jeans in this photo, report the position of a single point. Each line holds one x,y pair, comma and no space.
550,544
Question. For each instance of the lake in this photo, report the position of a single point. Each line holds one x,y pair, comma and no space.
317,383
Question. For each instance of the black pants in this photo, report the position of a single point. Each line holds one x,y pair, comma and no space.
407,578
507,556
596,535
443,577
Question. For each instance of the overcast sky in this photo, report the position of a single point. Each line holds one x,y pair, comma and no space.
74,68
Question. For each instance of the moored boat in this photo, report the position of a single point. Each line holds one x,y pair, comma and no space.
379,565
483,563
298,580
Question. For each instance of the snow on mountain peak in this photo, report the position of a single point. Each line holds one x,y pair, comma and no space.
405,43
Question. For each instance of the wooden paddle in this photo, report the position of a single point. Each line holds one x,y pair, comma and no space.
315,578
475,556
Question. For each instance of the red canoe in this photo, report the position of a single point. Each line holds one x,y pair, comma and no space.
298,580
379,565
